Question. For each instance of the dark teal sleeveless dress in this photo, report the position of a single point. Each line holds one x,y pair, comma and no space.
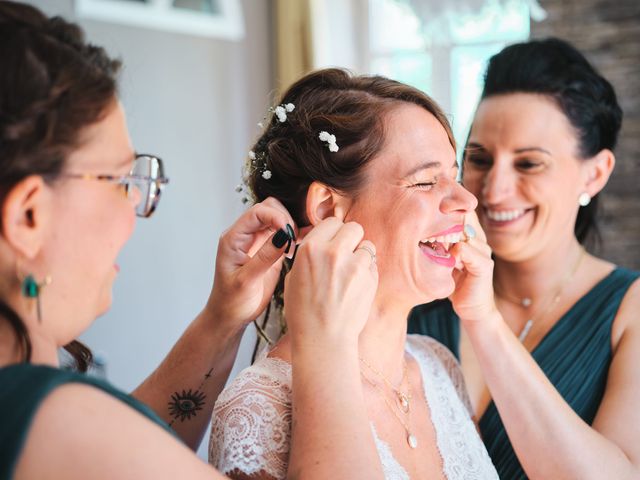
23,388
575,355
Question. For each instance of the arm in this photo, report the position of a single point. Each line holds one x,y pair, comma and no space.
549,438
196,369
80,432
328,294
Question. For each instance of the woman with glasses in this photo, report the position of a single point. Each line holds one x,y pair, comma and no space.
70,188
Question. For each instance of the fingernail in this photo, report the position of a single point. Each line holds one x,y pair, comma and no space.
469,231
291,233
280,238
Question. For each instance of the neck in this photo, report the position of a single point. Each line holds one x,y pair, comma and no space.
532,278
382,341
44,351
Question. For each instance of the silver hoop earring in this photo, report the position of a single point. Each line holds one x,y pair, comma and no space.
584,199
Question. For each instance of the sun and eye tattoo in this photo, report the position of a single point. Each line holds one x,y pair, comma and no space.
186,404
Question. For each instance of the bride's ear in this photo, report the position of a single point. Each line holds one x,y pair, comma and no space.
324,202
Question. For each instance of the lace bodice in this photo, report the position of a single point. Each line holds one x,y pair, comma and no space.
251,423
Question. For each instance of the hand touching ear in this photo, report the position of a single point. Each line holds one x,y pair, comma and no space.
329,292
248,263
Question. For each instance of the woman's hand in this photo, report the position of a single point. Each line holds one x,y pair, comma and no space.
248,264
331,287
473,297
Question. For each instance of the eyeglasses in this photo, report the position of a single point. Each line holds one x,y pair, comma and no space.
146,176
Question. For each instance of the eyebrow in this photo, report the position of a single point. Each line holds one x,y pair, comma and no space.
532,149
477,146
427,166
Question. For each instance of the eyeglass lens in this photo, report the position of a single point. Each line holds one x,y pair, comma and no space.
151,168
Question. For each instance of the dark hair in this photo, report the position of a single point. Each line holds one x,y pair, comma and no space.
52,85
352,108
555,68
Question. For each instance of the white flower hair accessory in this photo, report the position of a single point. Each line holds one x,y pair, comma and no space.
258,159
330,139
281,111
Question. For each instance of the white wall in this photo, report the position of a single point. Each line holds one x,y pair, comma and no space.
195,103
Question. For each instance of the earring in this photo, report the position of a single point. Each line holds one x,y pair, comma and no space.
31,289
584,199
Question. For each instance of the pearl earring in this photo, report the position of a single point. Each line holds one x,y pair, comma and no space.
584,199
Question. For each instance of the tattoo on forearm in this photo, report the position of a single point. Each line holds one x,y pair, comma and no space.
185,405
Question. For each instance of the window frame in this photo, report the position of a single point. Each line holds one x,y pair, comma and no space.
162,15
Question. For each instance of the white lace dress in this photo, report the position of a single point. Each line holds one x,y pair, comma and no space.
251,423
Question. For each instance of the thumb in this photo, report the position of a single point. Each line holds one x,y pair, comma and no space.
268,255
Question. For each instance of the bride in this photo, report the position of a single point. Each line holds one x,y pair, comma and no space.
380,153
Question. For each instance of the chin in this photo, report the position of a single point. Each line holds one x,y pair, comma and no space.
437,291
103,305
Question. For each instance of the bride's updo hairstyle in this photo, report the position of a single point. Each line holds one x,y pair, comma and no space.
289,155
353,109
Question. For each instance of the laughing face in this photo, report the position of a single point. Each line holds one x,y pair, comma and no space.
413,208
522,164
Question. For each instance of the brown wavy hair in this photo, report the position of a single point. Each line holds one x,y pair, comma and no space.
53,84
351,107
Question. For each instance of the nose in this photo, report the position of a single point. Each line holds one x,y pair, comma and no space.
497,185
460,200
134,194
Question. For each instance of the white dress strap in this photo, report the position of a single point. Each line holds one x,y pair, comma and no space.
464,456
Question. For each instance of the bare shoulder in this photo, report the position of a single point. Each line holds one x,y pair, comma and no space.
82,432
627,320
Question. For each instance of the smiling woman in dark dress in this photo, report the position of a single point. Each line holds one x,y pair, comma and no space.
555,386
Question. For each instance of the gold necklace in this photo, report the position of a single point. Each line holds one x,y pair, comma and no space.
403,399
412,440
554,299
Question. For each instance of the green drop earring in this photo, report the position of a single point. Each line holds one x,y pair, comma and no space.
31,289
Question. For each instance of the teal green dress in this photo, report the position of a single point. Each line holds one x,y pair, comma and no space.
23,387
575,355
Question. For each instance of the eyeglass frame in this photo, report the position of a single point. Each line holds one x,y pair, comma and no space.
160,181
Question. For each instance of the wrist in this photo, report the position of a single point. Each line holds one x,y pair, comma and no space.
483,322
324,345
221,324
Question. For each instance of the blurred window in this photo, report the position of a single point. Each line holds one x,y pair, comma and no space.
446,56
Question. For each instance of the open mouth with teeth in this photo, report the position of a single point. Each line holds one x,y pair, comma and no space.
505,216
436,248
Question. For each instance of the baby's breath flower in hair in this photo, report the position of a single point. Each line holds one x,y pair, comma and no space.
330,139
281,113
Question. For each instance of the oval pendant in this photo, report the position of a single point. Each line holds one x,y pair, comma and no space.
412,441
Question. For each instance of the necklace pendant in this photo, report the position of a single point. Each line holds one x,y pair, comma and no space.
525,330
404,402
526,302
412,441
